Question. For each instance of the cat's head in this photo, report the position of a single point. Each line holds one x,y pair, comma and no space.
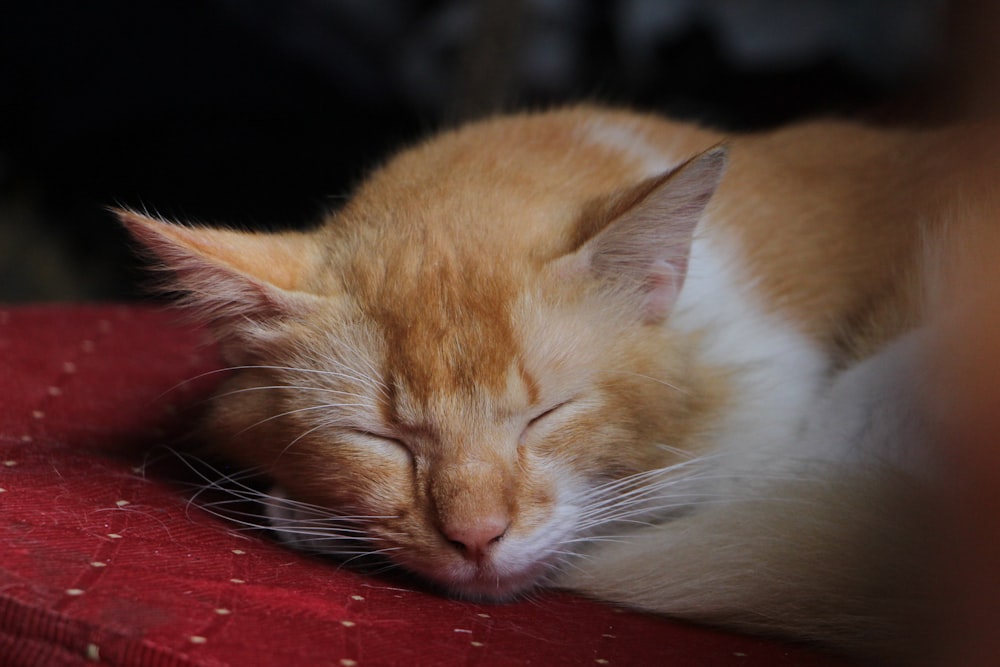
465,362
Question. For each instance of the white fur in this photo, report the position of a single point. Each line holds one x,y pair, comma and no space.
777,370
652,159
798,528
820,547
873,413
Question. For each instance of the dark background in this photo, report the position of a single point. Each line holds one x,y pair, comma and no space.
264,113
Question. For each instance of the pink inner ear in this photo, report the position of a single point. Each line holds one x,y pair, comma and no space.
664,285
646,248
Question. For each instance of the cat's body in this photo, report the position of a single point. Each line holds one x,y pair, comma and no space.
524,354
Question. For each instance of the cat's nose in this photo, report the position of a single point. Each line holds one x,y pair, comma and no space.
476,536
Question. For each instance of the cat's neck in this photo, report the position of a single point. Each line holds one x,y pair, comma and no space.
774,369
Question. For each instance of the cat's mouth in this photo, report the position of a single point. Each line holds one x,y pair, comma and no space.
507,572
517,568
486,582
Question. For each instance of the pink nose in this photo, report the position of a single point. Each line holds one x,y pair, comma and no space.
474,537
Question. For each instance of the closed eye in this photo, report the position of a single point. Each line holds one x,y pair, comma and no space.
546,413
365,433
382,439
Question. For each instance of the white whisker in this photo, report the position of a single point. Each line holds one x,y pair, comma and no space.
310,408
296,387
647,377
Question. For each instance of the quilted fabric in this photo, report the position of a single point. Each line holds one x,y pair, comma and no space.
105,562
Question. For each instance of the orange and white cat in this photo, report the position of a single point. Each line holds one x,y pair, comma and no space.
599,350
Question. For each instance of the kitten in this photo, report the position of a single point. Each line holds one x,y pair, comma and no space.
599,350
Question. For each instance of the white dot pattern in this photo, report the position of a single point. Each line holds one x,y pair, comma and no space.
110,547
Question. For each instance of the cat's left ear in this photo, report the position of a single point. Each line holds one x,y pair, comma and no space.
643,251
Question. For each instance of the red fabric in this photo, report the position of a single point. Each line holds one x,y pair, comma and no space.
104,564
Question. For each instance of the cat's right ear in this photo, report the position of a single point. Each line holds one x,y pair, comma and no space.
229,277
641,252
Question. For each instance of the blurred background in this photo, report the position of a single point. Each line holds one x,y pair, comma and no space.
264,113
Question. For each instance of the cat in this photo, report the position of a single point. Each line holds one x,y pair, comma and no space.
601,350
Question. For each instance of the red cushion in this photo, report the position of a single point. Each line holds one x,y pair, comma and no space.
102,561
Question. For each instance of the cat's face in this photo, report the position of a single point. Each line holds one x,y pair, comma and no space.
466,395
474,450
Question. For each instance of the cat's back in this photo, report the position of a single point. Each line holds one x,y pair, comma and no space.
836,219
827,218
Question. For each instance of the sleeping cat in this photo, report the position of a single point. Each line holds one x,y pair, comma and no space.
600,350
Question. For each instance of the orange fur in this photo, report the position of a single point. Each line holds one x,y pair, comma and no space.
485,333
834,217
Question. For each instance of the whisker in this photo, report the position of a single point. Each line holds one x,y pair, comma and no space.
647,377
318,519
322,406
357,377
296,439
365,379
317,526
290,386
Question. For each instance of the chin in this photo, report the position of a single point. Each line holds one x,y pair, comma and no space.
495,591
487,585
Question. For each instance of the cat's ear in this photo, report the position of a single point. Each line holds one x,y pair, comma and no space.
643,251
230,276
